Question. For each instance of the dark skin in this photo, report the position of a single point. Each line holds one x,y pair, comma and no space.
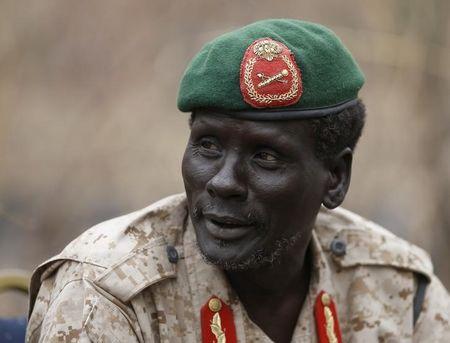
254,190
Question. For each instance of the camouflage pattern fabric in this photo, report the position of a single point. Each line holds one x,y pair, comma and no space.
115,284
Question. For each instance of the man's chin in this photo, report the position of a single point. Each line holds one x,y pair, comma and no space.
230,265
253,259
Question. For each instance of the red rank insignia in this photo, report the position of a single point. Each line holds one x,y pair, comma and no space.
217,322
269,75
327,324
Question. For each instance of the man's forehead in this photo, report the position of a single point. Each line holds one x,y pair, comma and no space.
216,121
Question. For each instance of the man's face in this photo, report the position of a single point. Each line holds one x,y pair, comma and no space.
254,188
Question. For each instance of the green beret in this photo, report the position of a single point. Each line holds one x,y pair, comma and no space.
272,69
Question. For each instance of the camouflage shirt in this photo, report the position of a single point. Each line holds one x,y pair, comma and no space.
115,283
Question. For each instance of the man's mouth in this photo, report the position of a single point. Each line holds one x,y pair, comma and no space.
227,228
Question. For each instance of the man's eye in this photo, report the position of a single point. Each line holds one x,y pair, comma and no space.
207,148
265,156
208,145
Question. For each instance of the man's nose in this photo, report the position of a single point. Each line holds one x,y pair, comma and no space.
229,181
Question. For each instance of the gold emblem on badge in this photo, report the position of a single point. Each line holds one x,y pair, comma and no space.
325,299
215,305
267,49
217,322
329,319
216,328
267,80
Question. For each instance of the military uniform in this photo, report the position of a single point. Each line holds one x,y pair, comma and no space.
140,278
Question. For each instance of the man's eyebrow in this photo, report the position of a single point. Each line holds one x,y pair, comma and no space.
264,135
280,140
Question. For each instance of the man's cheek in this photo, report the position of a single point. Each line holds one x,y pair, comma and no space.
192,173
196,174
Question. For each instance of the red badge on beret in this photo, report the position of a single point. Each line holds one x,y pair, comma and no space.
217,322
269,75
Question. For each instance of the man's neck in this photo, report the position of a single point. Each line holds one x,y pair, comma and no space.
273,296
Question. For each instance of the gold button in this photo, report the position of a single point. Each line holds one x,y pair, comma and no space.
215,304
326,299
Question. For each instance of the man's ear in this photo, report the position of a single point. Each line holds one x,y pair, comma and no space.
339,171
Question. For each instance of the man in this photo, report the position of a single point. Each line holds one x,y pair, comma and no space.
257,250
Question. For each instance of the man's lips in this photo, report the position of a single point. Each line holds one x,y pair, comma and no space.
226,227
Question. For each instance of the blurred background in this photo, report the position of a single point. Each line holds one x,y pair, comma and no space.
89,127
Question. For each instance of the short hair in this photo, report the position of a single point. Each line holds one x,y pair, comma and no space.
333,133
